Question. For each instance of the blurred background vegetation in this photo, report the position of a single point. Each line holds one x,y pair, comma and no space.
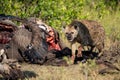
56,12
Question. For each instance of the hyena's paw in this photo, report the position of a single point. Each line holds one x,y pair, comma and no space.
95,49
86,48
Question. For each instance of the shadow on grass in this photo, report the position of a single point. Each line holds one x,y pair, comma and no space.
26,75
29,74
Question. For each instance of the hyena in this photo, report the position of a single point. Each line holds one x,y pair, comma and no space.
85,35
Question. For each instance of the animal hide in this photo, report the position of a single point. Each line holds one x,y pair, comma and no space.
20,47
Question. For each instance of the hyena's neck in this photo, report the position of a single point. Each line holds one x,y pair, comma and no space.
78,39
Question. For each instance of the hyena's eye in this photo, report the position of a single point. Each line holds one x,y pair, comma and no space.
66,33
72,32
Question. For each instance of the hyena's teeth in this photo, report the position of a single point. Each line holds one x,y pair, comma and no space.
95,50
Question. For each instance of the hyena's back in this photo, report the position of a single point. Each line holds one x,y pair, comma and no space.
96,31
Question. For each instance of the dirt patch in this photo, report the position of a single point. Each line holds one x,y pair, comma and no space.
110,59
112,54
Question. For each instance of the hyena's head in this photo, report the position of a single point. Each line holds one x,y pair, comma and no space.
71,32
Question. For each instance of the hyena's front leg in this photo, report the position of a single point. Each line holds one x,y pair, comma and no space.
76,50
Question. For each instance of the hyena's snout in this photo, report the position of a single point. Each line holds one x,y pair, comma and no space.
69,36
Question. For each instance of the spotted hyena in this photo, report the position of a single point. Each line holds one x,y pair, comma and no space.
88,35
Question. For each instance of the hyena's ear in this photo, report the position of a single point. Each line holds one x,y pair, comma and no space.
76,27
63,26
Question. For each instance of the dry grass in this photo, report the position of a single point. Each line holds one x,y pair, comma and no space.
73,72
